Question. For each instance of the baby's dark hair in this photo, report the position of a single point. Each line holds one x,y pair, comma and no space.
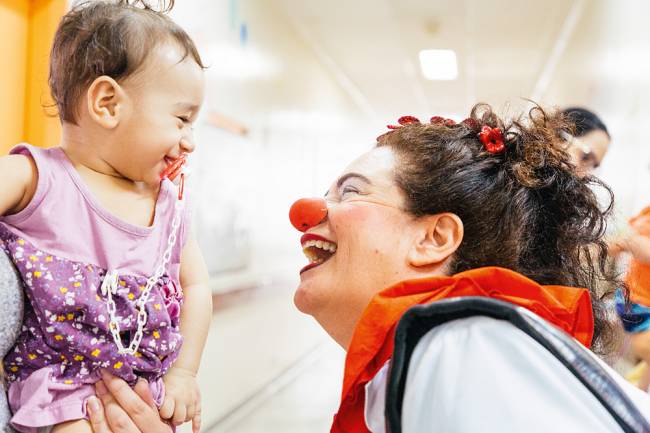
584,121
525,209
110,38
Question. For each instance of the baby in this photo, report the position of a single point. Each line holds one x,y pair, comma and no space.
97,229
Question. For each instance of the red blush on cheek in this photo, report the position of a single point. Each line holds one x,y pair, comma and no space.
352,219
350,215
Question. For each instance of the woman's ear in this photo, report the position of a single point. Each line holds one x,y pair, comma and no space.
105,100
437,238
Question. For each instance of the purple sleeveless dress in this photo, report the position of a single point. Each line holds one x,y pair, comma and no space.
63,244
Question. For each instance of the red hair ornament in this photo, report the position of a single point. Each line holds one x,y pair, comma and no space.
470,123
405,120
412,120
437,120
492,139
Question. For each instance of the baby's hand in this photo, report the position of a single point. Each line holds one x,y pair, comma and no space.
182,398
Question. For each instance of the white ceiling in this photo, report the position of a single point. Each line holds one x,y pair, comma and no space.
502,46
557,51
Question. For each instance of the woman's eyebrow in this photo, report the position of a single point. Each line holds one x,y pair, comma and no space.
347,176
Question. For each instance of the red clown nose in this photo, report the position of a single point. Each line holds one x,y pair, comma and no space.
307,213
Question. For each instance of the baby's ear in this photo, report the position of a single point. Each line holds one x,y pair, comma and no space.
105,100
438,238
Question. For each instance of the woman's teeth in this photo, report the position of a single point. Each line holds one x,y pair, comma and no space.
323,245
318,251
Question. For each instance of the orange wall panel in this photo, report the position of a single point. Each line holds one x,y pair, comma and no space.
42,126
14,20
27,28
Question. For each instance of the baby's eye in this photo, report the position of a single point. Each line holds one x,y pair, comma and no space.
183,119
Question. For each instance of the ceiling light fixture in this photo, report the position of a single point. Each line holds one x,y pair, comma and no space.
439,64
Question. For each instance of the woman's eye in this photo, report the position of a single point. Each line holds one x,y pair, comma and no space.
349,190
183,119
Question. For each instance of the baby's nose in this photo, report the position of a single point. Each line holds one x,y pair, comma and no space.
187,144
307,213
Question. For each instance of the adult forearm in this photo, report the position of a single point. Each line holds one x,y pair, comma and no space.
639,246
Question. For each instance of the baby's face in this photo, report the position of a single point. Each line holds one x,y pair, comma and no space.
156,126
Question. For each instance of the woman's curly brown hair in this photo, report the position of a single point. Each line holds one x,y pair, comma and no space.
525,209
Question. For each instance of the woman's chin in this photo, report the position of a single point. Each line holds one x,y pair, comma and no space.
304,299
315,289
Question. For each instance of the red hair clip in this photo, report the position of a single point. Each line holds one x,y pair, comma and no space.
470,123
441,120
492,139
408,120
405,120
412,120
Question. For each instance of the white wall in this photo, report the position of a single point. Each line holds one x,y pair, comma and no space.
303,130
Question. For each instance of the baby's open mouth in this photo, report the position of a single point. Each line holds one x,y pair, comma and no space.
317,249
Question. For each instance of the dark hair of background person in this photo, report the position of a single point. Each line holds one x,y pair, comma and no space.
112,38
525,209
584,121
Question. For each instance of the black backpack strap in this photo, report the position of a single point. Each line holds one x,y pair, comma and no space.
419,320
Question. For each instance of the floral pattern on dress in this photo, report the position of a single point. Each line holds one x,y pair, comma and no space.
66,321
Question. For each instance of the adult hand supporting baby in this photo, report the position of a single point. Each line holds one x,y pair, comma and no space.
121,409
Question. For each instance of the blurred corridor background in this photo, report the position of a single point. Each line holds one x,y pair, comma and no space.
297,89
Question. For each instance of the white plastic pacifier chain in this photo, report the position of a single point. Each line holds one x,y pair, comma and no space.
111,284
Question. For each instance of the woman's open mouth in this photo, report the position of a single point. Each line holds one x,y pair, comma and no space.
317,249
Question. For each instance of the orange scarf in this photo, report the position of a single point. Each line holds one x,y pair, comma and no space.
638,275
567,308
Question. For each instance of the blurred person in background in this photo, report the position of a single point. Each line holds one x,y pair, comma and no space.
635,241
588,146
590,140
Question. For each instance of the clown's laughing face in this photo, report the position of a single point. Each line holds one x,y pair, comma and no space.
360,246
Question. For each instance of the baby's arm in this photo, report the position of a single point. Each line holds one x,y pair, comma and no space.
182,400
18,180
